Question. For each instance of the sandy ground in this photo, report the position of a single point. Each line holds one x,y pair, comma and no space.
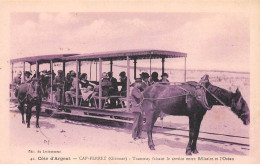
59,133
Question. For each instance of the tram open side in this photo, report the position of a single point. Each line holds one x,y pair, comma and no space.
99,59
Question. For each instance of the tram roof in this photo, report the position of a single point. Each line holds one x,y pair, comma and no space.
133,54
42,58
115,55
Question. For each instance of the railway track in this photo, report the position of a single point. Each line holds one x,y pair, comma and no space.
168,131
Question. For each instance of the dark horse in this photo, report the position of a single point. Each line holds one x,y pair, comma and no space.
187,99
30,94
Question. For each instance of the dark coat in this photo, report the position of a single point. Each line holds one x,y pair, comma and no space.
114,87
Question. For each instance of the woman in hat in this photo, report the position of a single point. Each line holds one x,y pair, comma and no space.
154,78
85,86
164,79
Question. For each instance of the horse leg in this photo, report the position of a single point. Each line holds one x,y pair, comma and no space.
38,110
21,108
197,124
155,116
149,126
28,115
150,121
191,135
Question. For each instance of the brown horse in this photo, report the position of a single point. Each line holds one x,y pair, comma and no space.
30,94
188,99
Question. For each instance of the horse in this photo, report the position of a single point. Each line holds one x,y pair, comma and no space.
30,93
190,99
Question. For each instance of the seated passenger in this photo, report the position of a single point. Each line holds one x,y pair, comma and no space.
58,84
85,86
113,89
48,86
106,84
145,80
45,83
154,78
164,79
123,83
72,92
68,81
28,77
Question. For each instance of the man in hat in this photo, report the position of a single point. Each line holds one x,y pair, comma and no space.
137,97
58,83
27,75
17,82
123,83
72,91
145,80
113,89
106,84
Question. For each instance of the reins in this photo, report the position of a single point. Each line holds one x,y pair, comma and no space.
164,98
220,101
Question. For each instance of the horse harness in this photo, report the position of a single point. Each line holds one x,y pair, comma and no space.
199,94
29,86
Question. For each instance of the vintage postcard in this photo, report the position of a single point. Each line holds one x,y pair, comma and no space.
132,82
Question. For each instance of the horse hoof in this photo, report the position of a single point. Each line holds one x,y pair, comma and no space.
37,126
23,122
188,152
152,148
195,151
28,126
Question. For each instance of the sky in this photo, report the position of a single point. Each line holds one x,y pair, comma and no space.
213,41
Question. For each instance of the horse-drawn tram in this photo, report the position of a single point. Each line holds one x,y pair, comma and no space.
96,92
74,92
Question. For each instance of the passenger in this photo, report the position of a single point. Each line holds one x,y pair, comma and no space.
137,110
72,92
164,79
113,90
48,76
58,83
45,83
68,81
114,87
145,80
154,78
123,83
86,87
17,82
28,77
122,92
106,84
